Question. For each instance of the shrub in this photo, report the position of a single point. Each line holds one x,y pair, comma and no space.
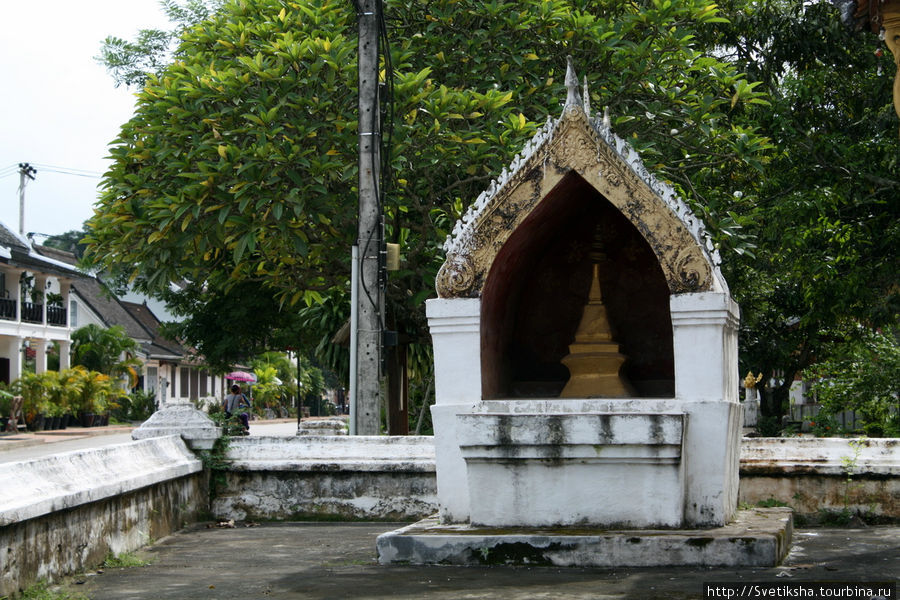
862,375
138,405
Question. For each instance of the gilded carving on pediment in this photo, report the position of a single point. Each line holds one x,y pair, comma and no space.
574,151
456,278
689,272
573,144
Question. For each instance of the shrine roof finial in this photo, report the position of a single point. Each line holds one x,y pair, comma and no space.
572,96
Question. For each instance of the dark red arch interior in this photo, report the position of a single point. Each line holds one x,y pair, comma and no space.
537,287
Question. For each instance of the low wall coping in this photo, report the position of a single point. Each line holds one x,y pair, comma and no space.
759,456
34,488
332,453
820,456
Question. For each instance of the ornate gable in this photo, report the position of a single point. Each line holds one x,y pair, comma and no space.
574,143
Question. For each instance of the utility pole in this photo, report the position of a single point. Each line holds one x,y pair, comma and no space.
26,172
370,295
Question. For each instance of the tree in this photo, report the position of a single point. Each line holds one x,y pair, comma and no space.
276,378
108,351
129,63
70,241
230,325
237,170
862,374
282,366
824,218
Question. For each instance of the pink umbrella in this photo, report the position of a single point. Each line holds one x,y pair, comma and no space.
241,376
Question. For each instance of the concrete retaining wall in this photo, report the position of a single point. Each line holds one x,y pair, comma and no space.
394,478
367,478
812,474
66,512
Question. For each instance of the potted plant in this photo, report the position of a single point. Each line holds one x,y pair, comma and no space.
35,403
91,390
69,395
5,408
54,392
80,395
51,416
101,407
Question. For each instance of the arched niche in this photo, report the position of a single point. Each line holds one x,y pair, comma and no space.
537,286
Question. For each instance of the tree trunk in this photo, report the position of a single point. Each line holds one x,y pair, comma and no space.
398,411
424,407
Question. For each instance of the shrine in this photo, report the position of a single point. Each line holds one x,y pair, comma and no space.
585,348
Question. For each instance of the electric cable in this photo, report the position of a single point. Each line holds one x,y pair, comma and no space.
68,170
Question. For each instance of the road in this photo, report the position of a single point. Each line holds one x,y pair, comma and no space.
31,446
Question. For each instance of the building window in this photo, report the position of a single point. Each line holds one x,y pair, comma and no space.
73,313
184,382
195,384
151,383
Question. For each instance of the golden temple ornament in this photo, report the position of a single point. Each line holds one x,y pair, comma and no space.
594,358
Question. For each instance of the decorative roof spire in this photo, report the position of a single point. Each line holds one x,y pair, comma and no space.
572,96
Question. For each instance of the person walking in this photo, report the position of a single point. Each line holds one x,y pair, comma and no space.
236,403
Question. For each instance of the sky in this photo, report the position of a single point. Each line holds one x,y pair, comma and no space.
59,109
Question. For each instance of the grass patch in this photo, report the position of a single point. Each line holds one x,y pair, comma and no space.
124,561
771,503
767,503
42,591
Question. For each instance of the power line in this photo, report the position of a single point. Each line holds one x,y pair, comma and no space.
13,169
69,171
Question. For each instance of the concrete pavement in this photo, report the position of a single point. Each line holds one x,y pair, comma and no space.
337,560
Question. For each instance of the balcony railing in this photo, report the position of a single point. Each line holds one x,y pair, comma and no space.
7,309
32,313
56,315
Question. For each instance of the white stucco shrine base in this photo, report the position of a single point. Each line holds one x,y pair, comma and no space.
755,538
600,462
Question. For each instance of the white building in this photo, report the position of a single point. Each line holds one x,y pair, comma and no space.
44,297
34,296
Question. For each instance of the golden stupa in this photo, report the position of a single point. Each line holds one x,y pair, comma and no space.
594,359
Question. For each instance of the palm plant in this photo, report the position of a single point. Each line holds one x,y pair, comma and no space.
107,351
268,389
36,401
90,390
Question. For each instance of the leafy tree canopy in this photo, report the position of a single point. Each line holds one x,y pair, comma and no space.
70,241
237,173
238,169
130,62
825,216
863,375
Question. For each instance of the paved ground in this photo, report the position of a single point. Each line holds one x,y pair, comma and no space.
26,446
326,560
